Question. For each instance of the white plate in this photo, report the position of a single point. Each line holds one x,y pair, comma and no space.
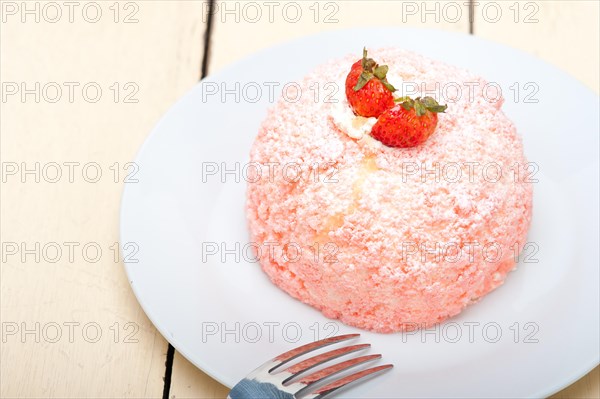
171,212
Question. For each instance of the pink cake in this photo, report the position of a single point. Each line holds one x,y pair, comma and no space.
378,237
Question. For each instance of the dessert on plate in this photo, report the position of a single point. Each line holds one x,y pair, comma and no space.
391,190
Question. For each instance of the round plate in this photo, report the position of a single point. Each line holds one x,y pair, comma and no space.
531,337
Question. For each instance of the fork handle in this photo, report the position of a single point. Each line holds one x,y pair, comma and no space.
252,389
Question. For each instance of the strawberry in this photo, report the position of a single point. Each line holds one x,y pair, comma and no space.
409,123
367,88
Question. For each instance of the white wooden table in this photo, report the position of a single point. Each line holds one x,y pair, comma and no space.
82,85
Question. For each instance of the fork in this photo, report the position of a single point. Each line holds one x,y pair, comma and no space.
263,383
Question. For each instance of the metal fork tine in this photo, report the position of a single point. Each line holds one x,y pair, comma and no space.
294,353
345,381
314,361
336,368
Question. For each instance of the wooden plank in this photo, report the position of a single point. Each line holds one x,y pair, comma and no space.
190,382
239,31
565,33
586,388
89,338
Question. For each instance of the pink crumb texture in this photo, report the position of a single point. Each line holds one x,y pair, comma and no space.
396,250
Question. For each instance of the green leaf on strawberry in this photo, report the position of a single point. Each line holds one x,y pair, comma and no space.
380,71
421,105
370,70
363,79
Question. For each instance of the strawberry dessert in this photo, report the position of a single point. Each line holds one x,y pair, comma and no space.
389,191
